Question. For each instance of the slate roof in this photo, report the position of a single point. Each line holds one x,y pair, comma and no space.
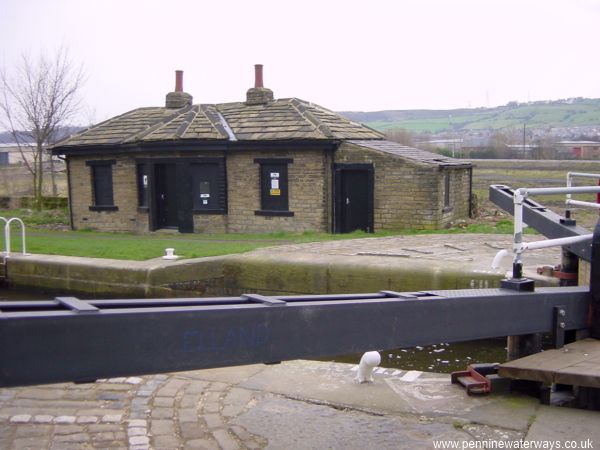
411,153
280,119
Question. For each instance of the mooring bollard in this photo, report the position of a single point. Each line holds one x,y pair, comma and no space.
368,362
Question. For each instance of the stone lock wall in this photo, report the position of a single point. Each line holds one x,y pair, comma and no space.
409,194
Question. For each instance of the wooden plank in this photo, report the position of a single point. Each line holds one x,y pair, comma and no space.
576,364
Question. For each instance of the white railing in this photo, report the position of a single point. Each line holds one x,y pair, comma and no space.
7,235
519,246
569,201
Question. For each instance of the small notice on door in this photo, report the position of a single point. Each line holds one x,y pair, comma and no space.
275,192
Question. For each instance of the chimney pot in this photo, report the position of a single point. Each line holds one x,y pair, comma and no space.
258,95
258,76
178,98
179,81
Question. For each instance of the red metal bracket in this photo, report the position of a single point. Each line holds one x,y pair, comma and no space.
473,379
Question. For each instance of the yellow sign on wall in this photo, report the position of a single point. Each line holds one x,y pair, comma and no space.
275,192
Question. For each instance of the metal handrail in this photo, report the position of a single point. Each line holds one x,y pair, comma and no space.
518,199
7,235
4,220
569,201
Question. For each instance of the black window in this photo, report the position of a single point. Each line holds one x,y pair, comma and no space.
274,187
208,187
143,173
102,185
3,158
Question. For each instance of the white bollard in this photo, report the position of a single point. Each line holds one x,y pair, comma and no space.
170,254
368,362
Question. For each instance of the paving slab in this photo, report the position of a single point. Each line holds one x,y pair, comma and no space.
565,424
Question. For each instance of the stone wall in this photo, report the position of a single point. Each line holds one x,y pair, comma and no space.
409,194
16,181
309,198
124,194
460,193
308,179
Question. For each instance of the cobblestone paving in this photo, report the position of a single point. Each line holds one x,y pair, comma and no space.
153,412
296,405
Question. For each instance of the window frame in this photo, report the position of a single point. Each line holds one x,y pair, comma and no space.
143,170
218,186
447,206
98,195
268,205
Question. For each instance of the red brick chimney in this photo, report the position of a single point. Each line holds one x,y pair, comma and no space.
178,98
258,95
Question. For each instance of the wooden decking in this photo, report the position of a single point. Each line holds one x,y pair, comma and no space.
576,364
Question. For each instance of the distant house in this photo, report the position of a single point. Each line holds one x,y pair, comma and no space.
580,149
10,153
522,151
260,165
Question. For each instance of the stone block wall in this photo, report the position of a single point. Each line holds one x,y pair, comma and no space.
308,180
409,194
309,198
209,223
124,194
460,196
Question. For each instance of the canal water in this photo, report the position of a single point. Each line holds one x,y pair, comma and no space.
441,358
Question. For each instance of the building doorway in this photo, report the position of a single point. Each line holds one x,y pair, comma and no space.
165,196
353,197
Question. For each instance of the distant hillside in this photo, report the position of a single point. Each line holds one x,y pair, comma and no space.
560,113
6,137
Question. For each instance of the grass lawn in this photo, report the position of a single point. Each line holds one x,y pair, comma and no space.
42,239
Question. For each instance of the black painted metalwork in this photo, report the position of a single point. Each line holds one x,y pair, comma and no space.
53,341
595,284
560,317
542,219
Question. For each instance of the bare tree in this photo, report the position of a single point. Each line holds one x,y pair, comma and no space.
38,96
400,135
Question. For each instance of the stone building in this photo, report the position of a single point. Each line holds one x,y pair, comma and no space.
261,165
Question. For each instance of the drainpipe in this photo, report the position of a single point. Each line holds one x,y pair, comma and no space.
69,191
471,192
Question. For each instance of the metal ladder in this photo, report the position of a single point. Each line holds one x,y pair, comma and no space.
7,236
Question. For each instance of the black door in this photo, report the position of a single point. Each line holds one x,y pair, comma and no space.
353,197
165,192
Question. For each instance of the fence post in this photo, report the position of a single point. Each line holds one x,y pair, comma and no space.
595,283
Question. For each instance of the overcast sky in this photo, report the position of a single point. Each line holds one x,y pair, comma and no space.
344,55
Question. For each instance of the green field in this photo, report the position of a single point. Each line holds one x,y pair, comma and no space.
554,114
517,174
